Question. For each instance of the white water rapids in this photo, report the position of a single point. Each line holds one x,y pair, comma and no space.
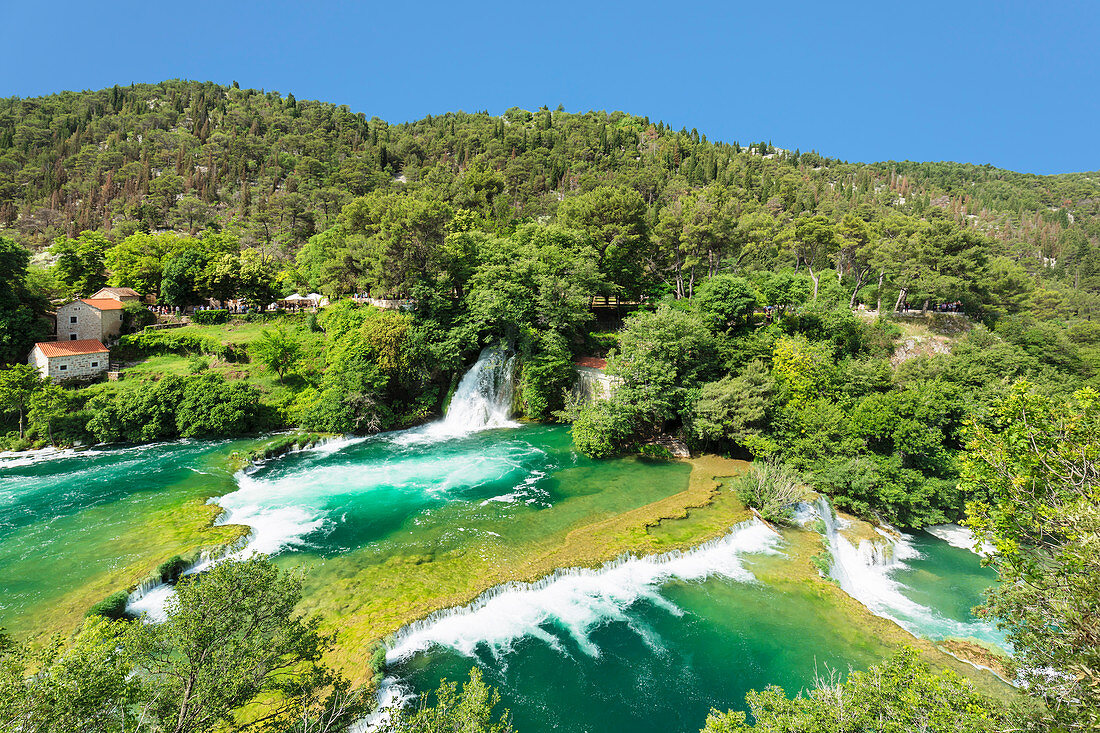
281,513
579,599
865,572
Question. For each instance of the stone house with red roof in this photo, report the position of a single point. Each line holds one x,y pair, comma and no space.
62,360
124,295
90,318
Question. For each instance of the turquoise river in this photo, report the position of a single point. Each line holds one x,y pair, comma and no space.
476,541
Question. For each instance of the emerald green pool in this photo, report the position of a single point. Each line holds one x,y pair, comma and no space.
642,644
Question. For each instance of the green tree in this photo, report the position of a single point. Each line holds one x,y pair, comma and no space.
1032,468
900,695
662,357
80,262
732,409
18,384
183,277
85,686
470,710
815,240
231,635
46,405
138,260
278,350
20,308
615,218
806,369
726,301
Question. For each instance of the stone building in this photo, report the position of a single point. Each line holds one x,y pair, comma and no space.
123,295
90,318
61,360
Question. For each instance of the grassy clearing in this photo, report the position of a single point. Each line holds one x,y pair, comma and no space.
239,335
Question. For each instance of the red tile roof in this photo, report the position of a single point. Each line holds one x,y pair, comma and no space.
105,304
70,348
591,361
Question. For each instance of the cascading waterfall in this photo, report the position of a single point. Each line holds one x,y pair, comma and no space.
571,600
864,571
151,594
281,515
962,537
483,400
578,599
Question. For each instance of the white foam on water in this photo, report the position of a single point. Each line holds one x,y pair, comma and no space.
865,573
391,697
283,510
333,445
19,459
152,605
482,401
578,599
962,537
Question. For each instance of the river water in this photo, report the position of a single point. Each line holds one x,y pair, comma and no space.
394,522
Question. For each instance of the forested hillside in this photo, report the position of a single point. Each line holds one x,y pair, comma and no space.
185,155
879,332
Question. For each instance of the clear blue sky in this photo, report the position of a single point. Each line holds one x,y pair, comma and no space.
1015,84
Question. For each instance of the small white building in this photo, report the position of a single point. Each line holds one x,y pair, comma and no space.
61,360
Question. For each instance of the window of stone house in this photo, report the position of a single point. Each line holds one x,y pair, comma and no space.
62,368
72,337
95,363
72,319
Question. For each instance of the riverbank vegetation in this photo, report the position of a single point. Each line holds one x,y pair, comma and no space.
913,340
742,265
232,654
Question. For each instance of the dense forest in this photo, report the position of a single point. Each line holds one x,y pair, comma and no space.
740,293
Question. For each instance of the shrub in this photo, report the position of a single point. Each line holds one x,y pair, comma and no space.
601,429
112,607
659,452
171,341
210,317
170,570
135,317
770,487
546,377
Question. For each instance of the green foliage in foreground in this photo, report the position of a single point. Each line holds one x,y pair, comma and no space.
1033,466
467,711
901,695
233,655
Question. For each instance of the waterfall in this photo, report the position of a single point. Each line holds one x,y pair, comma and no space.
149,597
484,396
864,571
962,537
578,599
482,401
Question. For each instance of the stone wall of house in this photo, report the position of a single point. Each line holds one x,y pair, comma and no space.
111,322
77,366
91,323
88,323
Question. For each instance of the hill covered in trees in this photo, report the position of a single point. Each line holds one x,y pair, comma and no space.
735,273
183,155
